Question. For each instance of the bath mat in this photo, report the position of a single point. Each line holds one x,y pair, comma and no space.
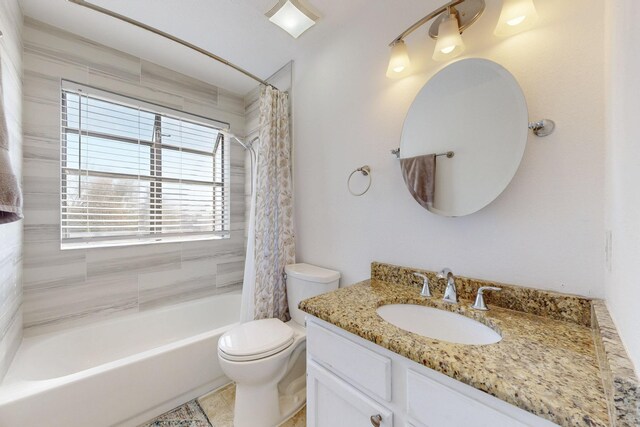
187,415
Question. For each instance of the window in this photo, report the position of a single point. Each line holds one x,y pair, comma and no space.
133,172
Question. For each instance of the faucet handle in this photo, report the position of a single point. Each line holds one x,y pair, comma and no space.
479,304
426,292
444,274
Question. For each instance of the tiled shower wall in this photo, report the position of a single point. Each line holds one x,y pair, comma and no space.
66,288
11,234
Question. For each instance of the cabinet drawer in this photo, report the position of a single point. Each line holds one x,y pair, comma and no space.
356,364
332,402
436,405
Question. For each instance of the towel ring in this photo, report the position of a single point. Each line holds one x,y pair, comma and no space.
364,170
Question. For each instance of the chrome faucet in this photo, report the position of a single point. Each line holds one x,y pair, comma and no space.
426,292
480,304
451,293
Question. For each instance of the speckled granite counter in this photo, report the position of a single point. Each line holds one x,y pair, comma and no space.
544,365
620,381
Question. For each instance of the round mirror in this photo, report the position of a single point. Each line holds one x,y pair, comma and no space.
475,109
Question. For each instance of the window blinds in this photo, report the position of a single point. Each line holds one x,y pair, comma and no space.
138,172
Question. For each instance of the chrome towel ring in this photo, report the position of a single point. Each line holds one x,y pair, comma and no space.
365,171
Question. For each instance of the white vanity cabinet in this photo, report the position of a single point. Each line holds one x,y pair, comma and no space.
334,403
352,382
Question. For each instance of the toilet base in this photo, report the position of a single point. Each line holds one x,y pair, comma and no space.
271,389
264,406
253,400
290,405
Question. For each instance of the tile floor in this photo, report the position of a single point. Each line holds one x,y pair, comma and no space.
213,410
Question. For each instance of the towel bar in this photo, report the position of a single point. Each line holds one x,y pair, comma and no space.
541,128
448,154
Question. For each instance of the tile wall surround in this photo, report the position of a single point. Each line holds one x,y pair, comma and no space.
74,287
252,117
11,234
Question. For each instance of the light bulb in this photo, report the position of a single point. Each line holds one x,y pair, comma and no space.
446,50
516,21
516,16
399,61
449,43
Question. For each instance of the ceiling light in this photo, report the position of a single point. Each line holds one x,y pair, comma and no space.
516,16
399,61
449,44
292,17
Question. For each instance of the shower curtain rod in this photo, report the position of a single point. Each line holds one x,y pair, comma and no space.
170,37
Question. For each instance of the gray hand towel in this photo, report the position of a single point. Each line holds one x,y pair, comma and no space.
10,194
419,174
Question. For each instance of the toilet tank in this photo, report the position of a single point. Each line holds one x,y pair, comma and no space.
306,281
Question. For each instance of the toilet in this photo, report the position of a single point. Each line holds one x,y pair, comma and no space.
267,358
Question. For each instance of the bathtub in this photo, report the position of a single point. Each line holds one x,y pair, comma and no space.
120,372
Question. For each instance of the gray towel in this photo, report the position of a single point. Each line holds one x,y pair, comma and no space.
419,174
10,194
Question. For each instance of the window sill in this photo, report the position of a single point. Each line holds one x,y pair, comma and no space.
140,242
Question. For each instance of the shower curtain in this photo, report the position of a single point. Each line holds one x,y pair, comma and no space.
270,245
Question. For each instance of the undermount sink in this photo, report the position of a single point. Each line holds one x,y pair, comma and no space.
438,324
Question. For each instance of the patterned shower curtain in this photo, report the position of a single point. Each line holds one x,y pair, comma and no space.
272,209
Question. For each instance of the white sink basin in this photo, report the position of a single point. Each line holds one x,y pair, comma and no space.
438,324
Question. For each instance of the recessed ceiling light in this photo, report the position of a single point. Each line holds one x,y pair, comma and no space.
292,17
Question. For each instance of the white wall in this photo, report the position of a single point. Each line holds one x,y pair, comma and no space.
623,173
11,234
546,230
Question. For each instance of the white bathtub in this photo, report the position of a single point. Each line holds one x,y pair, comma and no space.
118,372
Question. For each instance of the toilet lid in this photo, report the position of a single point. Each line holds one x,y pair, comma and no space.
256,339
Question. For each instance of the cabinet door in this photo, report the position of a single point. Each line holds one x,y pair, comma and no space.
355,364
436,405
331,402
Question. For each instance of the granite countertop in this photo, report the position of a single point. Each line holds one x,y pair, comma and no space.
543,365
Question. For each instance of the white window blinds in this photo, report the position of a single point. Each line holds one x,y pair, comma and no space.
134,172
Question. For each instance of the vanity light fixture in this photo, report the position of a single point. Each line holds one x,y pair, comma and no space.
516,16
451,21
399,62
292,16
449,43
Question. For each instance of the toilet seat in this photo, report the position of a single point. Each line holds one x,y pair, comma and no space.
255,340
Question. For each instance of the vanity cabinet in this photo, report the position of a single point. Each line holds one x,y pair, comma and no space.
334,403
352,382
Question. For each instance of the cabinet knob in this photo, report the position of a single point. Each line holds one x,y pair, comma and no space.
376,420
